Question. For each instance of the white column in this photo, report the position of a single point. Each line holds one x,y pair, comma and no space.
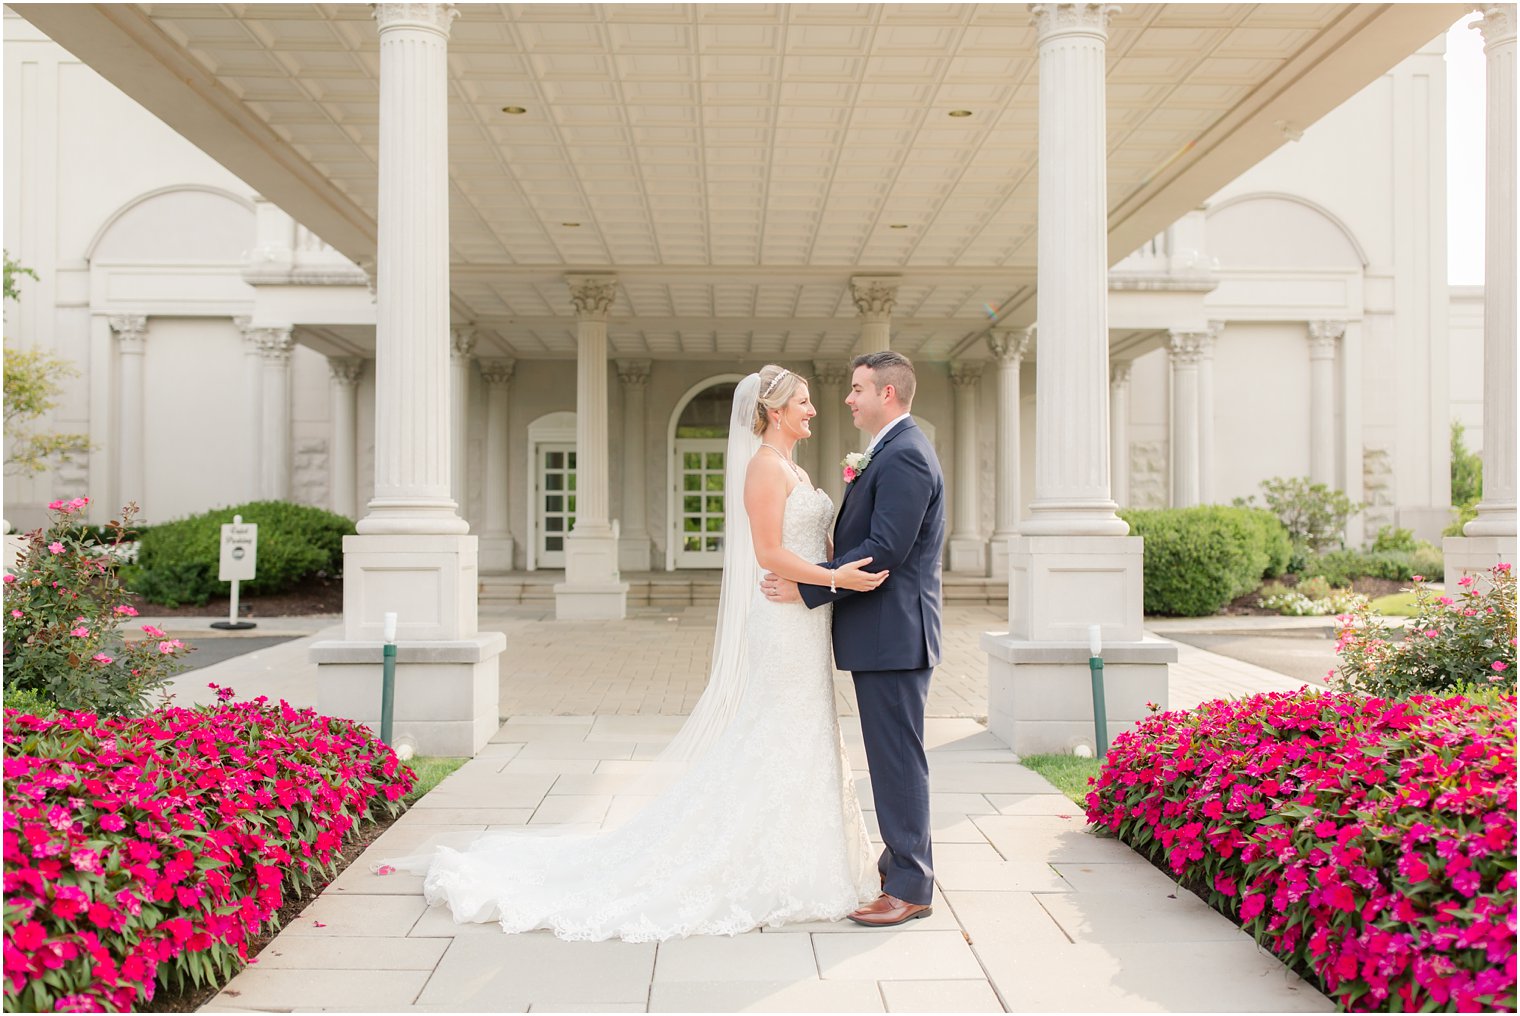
131,331
1009,347
830,425
1206,412
593,586
634,547
1496,511
1185,351
413,456
253,407
1072,565
1324,338
874,298
343,387
275,345
496,543
1119,373
1071,494
413,556
461,345
968,548
1490,538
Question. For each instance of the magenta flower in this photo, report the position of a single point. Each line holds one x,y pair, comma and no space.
81,632
1499,666
101,658
55,547
127,610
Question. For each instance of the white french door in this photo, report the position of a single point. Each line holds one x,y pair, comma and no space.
554,494
699,502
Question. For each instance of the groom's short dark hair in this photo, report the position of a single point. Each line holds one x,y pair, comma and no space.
891,369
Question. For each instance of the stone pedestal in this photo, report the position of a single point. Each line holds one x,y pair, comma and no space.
1475,555
593,589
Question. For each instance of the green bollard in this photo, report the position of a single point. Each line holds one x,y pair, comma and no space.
388,681
1100,707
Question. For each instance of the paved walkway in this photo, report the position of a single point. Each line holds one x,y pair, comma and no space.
1034,912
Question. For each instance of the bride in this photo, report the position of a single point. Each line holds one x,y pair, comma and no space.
757,822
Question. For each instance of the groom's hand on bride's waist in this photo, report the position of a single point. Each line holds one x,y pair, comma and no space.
778,589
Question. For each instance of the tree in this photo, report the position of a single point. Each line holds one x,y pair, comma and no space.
1466,470
33,380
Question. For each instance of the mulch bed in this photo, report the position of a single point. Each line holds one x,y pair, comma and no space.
318,596
1250,604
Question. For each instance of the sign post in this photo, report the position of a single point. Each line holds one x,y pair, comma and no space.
240,544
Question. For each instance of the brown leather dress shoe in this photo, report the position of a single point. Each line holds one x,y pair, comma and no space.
889,910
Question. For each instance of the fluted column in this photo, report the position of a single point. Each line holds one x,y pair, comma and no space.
874,298
1206,412
275,345
1324,338
1119,373
253,406
496,542
131,331
968,549
461,346
413,455
343,388
830,425
1186,350
593,586
1009,347
1072,495
634,545
1496,510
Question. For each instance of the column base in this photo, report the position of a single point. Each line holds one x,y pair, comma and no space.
430,582
496,554
447,693
968,555
997,555
1039,694
1058,586
1475,555
635,553
593,589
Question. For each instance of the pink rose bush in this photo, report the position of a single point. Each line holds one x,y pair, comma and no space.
64,608
1369,842
146,851
1455,640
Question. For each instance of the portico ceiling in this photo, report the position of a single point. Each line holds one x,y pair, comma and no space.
735,165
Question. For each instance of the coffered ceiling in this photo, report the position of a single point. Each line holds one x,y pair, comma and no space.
736,164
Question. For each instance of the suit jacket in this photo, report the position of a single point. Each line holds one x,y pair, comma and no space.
894,513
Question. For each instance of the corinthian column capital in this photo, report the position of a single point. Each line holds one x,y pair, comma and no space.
592,295
1323,338
966,373
1187,347
633,373
462,341
275,344
873,296
432,17
1119,372
345,370
1051,20
1009,345
498,372
831,372
131,331
1497,24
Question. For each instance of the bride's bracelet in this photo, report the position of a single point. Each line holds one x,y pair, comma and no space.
833,580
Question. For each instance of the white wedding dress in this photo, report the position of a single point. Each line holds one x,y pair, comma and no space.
763,828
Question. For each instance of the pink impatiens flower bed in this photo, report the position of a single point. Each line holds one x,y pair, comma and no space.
1370,842
150,850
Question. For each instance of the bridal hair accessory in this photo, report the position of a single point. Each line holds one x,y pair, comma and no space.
854,464
774,382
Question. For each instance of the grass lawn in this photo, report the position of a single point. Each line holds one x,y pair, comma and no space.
430,769
1067,772
1395,605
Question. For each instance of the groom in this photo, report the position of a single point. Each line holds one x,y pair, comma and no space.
894,513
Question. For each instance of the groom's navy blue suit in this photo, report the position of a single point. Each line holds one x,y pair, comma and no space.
894,513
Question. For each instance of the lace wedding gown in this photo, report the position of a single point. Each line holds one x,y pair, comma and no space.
763,829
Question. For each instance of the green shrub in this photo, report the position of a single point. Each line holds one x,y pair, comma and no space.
1466,470
1315,515
1342,567
177,561
1429,561
1199,559
1392,538
29,701
1275,540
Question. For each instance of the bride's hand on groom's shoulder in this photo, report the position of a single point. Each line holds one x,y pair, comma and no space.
854,577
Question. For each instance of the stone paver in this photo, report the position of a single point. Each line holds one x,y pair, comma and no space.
1034,911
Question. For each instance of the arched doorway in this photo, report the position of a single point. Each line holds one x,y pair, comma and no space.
698,449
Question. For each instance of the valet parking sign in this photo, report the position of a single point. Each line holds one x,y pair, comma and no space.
240,545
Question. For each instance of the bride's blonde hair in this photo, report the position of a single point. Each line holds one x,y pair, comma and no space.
777,386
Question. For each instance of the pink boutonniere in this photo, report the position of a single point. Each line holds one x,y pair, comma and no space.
854,464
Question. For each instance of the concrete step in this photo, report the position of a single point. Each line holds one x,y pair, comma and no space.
694,588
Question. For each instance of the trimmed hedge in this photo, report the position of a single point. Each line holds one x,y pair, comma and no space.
1340,567
1199,559
177,561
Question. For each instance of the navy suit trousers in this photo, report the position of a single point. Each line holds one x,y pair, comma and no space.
892,719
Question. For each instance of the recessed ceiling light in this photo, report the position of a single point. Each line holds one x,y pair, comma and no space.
898,225
571,225
960,112
513,110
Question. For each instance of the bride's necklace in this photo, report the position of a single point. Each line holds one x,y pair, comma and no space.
796,470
